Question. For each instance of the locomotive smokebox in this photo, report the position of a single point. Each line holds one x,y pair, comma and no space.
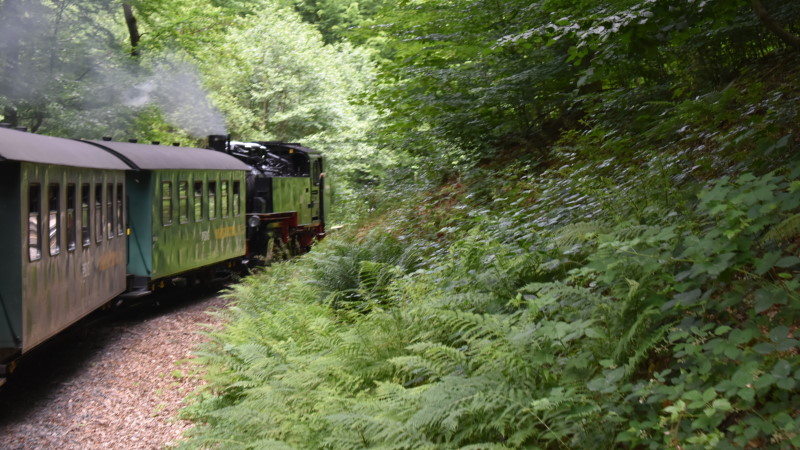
220,142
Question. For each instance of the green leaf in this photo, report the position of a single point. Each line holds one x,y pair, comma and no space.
742,377
722,329
722,404
766,297
784,345
779,333
786,384
615,375
767,262
764,381
764,348
787,261
783,420
746,394
688,298
709,394
782,369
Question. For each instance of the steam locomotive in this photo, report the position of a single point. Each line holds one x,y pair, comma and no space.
93,221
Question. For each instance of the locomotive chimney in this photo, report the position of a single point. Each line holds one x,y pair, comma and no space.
133,141
106,138
219,142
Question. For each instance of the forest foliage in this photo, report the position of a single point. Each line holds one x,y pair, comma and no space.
566,224
592,241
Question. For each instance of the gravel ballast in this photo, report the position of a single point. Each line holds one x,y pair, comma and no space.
112,381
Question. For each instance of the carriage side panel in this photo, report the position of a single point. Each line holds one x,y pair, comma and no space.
72,245
198,219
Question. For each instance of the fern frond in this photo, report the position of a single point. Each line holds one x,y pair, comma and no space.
470,326
485,446
634,330
787,230
561,298
371,431
578,232
644,348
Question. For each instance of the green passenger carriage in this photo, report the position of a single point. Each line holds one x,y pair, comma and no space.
186,211
62,237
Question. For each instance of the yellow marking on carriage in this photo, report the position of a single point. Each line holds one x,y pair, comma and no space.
226,232
108,260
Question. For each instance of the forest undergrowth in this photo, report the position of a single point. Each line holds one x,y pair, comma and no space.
636,287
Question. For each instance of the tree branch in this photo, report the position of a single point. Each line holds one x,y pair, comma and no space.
773,26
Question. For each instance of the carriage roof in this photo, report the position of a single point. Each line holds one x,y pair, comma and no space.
23,146
156,157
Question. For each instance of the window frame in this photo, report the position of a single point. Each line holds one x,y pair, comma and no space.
120,209
72,224
111,224
54,214
212,200
86,214
35,231
237,198
166,203
224,203
99,230
198,197
183,201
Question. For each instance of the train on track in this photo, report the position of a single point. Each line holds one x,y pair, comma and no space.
90,222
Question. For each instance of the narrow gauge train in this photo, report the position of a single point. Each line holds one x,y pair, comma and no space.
88,222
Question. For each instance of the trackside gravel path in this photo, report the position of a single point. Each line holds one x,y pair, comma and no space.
110,382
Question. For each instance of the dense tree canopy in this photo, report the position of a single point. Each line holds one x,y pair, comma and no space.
488,73
144,68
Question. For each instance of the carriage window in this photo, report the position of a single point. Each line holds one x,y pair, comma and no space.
53,219
166,202
86,217
98,212
120,215
198,201
224,199
34,219
110,211
212,200
236,199
183,200
71,237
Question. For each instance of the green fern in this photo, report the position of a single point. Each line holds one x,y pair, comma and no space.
786,230
578,232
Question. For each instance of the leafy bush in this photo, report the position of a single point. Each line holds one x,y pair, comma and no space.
676,331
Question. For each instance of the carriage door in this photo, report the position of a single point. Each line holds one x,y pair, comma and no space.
316,189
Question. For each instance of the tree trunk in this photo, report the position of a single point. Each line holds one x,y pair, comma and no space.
773,26
133,29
